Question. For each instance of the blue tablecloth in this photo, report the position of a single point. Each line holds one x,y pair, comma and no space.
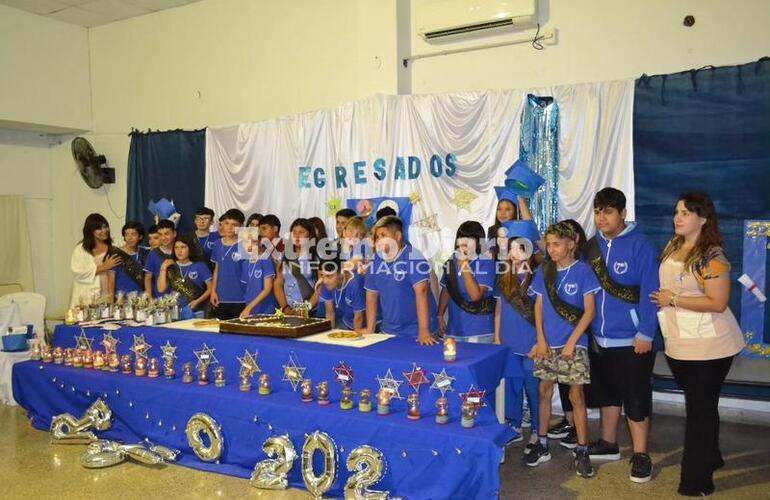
425,460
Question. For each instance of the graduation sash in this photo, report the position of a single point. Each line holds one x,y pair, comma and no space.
569,313
305,288
626,293
523,304
483,306
132,268
185,287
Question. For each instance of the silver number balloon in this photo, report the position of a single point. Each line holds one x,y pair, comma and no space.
102,453
198,425
66,429
369,466
318,485
272,474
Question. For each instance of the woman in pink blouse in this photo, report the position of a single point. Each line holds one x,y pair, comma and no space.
700,332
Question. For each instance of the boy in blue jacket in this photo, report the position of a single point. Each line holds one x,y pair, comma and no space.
626,264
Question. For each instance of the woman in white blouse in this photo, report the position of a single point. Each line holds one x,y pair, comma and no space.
91,263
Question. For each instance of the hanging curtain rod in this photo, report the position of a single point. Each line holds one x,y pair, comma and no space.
548,34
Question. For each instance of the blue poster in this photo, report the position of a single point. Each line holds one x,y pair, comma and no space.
755,315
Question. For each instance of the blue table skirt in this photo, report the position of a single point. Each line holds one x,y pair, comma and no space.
425,460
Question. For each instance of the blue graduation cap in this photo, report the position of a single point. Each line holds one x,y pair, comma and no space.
522,180
503,193
163,209
522,229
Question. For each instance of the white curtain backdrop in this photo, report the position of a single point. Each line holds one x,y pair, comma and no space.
255,166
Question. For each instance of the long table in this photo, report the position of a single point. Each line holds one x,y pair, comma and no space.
424,459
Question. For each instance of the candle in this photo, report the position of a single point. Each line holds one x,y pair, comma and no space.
346,401
413,402
140,367
383,402
153,370
468,419
125,363
306,390
365,401
450,350
323,393
264,385
442,410
187,375
219,376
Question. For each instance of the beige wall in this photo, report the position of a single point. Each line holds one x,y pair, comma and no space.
219,62
606,40
45,72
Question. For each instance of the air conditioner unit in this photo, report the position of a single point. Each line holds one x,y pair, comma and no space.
446,20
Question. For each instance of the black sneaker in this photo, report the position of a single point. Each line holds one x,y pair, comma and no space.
570,441
538,455
602,450
641,468
695,492
559,430
528,447
582,464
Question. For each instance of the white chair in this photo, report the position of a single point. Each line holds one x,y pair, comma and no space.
31,308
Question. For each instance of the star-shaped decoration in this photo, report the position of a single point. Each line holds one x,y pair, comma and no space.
415,198
333,205
83,342
249,364
463,198
475,396
110,343
344,374
390,384
205,356
428,222
293,373
168,350
442,382
140,347
416,377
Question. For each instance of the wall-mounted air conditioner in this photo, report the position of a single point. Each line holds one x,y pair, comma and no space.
446,20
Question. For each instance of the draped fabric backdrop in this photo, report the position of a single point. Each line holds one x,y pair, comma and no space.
256,166
707,130
166,165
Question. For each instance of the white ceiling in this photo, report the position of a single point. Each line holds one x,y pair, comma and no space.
90,13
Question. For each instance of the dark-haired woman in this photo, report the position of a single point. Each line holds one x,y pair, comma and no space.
90,263
466,289
701,334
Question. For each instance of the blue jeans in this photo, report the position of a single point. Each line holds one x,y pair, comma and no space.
519,379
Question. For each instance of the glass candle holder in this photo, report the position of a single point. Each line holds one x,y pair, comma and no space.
264,385
323,393
153,369
442,410
468,419
187,373
219,376
125,364
346,399
365,401
306,390
413,407
450,350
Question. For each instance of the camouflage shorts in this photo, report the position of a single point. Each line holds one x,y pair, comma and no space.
573,371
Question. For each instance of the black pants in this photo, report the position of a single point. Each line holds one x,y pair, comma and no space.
566,404
701,382
228,310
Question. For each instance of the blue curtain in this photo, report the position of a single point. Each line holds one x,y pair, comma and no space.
169,165
704,130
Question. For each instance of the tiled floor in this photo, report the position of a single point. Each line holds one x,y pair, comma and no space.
30,467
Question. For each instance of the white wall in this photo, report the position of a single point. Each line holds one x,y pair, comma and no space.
45,79
605,40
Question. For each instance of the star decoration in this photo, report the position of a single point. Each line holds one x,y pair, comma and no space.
415,198
249,364
475,396
463,198
388,383
344,374
140,347
83,342
110,343
442,382
168,350
428,222
205,356
333,205
292,372
416,377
